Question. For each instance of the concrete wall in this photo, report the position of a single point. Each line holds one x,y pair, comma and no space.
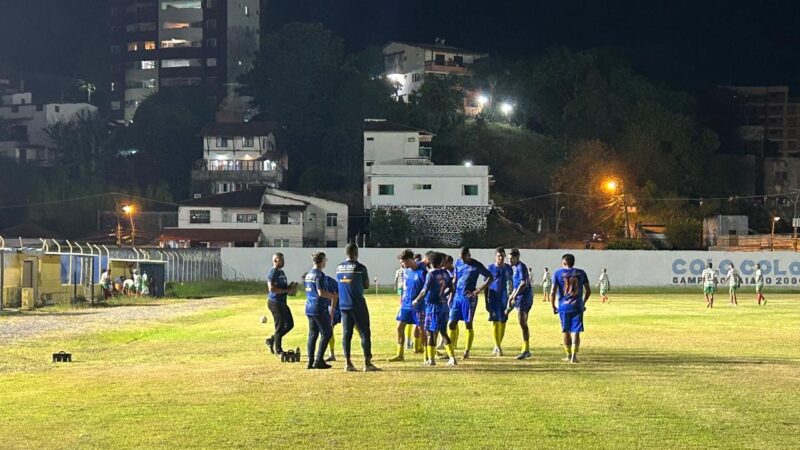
446,182
625,267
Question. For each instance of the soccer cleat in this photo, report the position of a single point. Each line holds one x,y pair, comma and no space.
451,362
465,355
499,352
574,360
350,368
270,341
371,368
495,351
322,365
311,365
330,358
566,359
524,355
427,362
432,362
398,358
409,345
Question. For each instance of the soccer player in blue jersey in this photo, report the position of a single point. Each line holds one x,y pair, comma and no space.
571,286
521,299
497,297
449,266
434,296
279,289
318,302
353,279
336,316
413,280
463,306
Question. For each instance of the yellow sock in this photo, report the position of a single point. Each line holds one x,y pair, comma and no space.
454,338
526,345
431,352
417,343
575,349
400,349
449,349
331,344
496,326
502,331
470,338
409,332
566,350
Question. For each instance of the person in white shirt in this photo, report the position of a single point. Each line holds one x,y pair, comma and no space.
734,281
760,286
546,285
709,279
105,284
605,286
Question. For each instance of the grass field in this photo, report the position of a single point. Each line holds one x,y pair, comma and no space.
657,371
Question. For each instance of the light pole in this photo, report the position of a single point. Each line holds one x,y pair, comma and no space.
772,234
130,210
558,217
615,187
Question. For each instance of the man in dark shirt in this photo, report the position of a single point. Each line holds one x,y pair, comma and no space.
279,288
353,279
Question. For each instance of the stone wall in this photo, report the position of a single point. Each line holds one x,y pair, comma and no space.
444,225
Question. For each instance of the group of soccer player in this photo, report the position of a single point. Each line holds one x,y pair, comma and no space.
734,282
437,293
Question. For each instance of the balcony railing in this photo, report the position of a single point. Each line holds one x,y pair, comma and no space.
236,170
447,67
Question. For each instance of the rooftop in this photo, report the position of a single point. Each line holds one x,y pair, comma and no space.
440,48
240,129
239,199
382,125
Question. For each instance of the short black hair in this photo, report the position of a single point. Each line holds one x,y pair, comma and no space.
569,258
417,256
710,265
514,252
318,257
500,250
436,259
351,250
406,254
464,250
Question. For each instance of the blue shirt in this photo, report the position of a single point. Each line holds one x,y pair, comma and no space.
332,286
467,276
315,305
277,277
437,284
569,289
413,282
521,274
502,275
351,276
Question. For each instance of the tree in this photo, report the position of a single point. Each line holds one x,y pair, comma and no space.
85,144
438,106
389,228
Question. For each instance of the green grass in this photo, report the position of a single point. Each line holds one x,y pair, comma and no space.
215,288
658,371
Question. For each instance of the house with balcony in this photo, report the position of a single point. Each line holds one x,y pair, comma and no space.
407,64
265,217
238,156
442,201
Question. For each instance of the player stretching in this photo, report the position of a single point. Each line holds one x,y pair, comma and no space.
546,285
734,281
709,278
572,288
353,280
414,278
435,293
497,298
319,301
605,286
466,299
521,299
760,286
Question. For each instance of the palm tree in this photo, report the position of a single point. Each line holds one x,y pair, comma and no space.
89,88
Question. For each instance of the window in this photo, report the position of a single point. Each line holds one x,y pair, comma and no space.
331,244
149,45
115,106
211,23
246,218
791,109
370,138
175,25
222,141
385,189
247,11
57,109
458,60
182,4
470,189
172,63
370,163
113,86
280,242
438,59
417,77
331,220
248,142
211,43
411,139
199,216
148,65
133,46
180,43
211,62
422,187
284,218
182,81
210,4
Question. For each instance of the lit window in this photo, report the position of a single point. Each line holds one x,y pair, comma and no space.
115,106
148,65
175,25
331,220
385,189
149,45
182,4
470,189
133,46
211,62
113,86
172,63
247,11
176,43
199,216
246,218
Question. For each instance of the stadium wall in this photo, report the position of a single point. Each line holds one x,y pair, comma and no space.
626,268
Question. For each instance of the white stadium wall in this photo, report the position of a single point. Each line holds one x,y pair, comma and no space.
625,267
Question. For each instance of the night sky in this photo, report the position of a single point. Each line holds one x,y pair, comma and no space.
685,43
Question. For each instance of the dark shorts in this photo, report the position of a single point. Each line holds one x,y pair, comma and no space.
436,319
463,309
571,321
497,309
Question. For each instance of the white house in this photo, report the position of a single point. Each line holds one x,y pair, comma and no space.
442,201
238,156
259,217
27,141
406,64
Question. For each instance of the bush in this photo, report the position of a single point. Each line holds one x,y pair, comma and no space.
684,236
629,244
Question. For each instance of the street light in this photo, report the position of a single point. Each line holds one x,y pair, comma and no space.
130,210
467,163
614,186
772,234
482,100
506,108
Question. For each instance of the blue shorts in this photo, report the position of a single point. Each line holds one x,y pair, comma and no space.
497,309
463,309
419,318
524,305
407,315
571,321
436,319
